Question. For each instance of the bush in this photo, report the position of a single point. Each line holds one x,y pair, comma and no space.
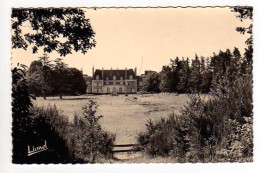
216,129
22,119
90,140
30,130
84,138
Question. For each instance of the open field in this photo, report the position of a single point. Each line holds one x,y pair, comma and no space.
124,116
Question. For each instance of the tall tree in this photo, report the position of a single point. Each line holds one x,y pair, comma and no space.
184,75
60,67
34,78
45,74
152,83
176,66
246,13
166,78
195,75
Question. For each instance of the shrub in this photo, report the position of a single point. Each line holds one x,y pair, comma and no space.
84,138
207,130
30,130
22,119
90,140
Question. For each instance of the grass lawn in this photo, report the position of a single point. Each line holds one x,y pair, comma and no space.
125,117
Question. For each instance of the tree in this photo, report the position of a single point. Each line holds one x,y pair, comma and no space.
34,78
246,13
195,75
206,74
176,66
166,78
60,67
184,75
243,13
52,29
76,81
44,78
152,82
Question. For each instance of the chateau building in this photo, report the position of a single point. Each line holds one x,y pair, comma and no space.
119,81
104,81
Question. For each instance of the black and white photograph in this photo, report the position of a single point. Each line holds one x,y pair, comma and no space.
129,86
132,85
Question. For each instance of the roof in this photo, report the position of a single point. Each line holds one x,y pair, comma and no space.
110,73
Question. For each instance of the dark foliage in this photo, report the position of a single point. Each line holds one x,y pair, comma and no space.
152,83
218,128
84,139
57,81
244,13
48,26
22,120
29,130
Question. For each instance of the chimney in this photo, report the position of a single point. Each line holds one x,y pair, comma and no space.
102,73
125,73
93,71
135,72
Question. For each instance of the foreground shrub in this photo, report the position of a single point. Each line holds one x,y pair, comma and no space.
84,138
29,130
216,129
22,120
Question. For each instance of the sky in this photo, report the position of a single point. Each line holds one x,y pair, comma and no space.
147,38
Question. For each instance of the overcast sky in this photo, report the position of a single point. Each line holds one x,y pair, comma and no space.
149,38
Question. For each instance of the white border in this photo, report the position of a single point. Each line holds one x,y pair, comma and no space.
5,92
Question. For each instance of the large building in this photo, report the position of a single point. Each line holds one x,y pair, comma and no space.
121,81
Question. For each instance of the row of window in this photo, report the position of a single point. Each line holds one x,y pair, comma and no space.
132,84
114,77
97,84
109,90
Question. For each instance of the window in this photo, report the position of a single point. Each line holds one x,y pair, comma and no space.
121,78
94,84
141,83
107,82
120,90
131,77
133,90
106,78
99,84
114,77
97,77
108,90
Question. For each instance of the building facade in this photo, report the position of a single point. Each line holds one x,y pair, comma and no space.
120,81
104,81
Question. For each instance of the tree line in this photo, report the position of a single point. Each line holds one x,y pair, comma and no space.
199,75
47,79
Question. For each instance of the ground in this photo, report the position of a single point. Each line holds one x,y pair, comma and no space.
124,116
